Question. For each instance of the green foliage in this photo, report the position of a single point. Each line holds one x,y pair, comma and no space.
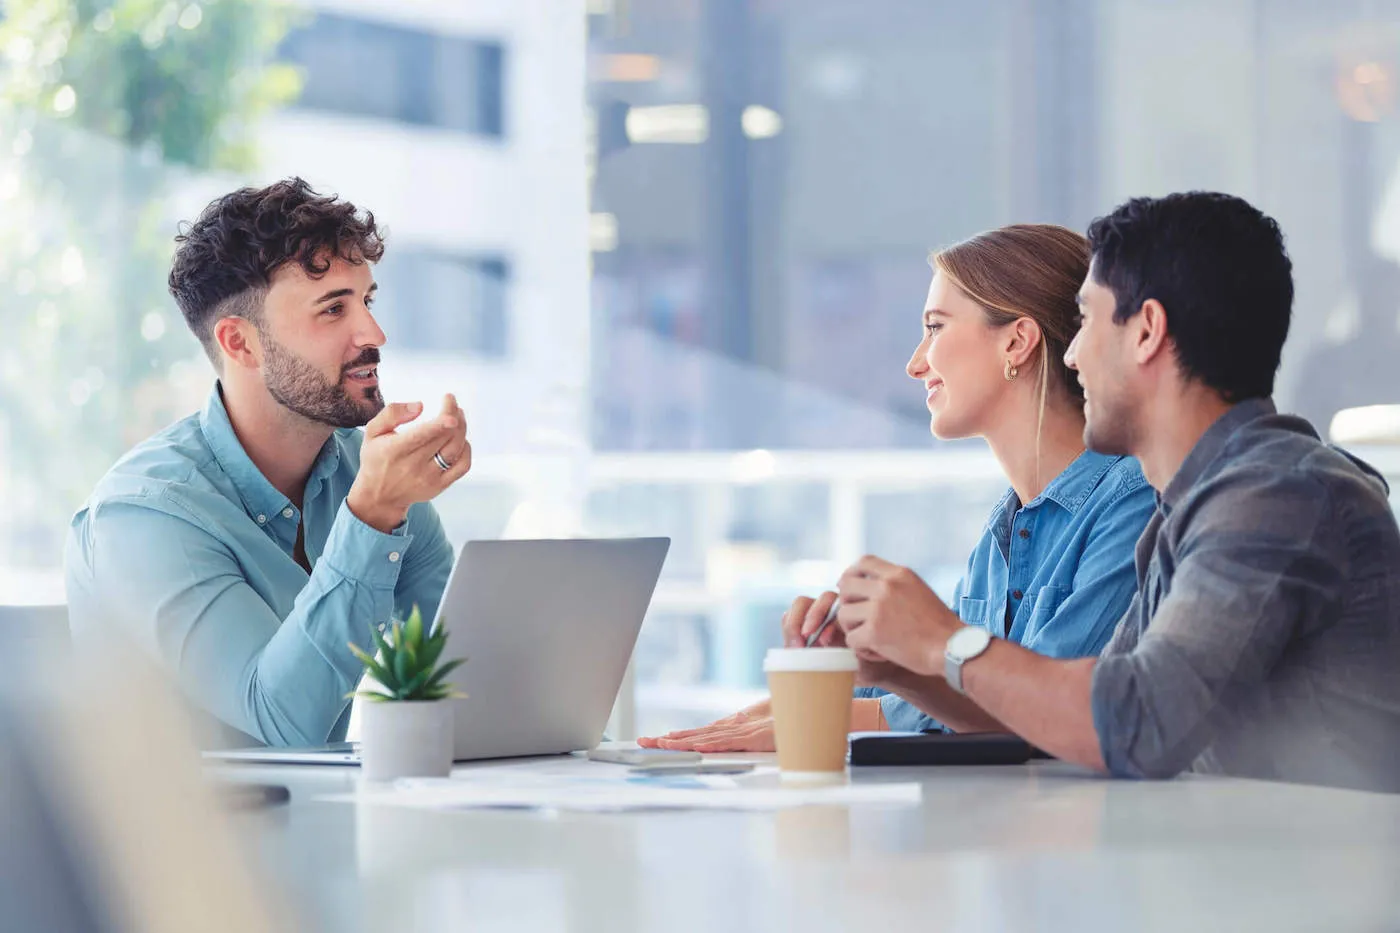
110,112
406,665
188,79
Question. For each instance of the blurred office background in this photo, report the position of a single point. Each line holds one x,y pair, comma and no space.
671,254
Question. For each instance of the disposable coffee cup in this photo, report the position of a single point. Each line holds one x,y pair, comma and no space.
812,689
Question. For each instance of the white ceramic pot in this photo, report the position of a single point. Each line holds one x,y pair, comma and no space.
405,739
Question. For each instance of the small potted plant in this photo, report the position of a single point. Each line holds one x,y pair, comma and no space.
406,730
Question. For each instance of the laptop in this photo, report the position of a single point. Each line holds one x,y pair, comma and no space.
547,628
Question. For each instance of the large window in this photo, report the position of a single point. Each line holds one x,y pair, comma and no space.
765,179
374,69
443,303
772,177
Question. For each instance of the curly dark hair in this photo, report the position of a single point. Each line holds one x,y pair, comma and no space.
1219,267
226,258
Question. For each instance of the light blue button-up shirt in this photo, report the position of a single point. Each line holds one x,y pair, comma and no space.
187,550
1056,574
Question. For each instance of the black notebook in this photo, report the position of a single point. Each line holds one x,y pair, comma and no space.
941,748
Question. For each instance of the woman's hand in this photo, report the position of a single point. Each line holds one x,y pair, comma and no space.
805,616
749,730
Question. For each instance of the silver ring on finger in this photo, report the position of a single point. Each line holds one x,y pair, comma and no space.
442,464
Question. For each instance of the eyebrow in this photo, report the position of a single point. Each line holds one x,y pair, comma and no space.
343,293
934,312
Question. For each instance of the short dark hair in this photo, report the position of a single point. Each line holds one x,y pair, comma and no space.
226,258
1220,269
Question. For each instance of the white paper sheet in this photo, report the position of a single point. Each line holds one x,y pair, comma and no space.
611,790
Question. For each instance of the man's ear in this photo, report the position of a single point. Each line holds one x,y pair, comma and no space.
237,340
1150,337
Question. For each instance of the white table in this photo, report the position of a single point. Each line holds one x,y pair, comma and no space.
1046,846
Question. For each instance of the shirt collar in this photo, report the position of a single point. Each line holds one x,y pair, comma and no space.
1070,490
326,463
259,496
1210,445
1002,514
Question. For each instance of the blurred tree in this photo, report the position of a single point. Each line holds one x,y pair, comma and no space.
108,110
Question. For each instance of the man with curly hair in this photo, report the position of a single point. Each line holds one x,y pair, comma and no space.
244,547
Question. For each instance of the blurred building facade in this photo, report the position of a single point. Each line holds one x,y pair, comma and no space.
671,254
796,244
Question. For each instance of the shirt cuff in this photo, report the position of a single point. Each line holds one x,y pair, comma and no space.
1110,684
903,716
363,554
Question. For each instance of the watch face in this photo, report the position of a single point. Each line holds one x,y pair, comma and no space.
970,641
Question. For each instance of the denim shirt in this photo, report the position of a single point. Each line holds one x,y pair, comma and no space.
186,550
1054,575
1264,641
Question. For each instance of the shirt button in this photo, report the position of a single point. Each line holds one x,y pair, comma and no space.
393,557
288,513
1025,533
1016,594
262,519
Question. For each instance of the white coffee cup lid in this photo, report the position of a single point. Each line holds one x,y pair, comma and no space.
810,659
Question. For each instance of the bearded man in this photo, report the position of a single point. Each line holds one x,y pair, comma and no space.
245,546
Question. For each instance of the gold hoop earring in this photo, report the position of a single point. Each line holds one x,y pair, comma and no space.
1011,371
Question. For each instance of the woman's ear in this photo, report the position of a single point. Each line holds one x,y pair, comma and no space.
1023,339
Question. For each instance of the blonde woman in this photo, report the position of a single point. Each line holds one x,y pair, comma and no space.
1053,569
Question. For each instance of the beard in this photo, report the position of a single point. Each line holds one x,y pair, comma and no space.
299,387
1109,429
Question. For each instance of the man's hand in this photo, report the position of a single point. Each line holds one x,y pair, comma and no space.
457,452
889,613
874,671
398,470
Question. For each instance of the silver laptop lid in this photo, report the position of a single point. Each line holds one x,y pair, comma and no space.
547,628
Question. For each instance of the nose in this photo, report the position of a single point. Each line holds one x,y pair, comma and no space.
368,332
917,367
1071,352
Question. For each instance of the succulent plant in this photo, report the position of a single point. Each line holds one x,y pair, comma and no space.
406,667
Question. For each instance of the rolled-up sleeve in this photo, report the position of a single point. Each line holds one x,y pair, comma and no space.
1256,560
901,715
282,681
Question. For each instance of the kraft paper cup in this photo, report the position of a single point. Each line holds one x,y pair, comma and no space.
812,690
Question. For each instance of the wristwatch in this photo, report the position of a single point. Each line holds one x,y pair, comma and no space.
965,645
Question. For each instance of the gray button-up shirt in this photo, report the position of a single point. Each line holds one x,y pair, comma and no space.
1264,640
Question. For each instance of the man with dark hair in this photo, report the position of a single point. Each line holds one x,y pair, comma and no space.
1264,640
246,546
